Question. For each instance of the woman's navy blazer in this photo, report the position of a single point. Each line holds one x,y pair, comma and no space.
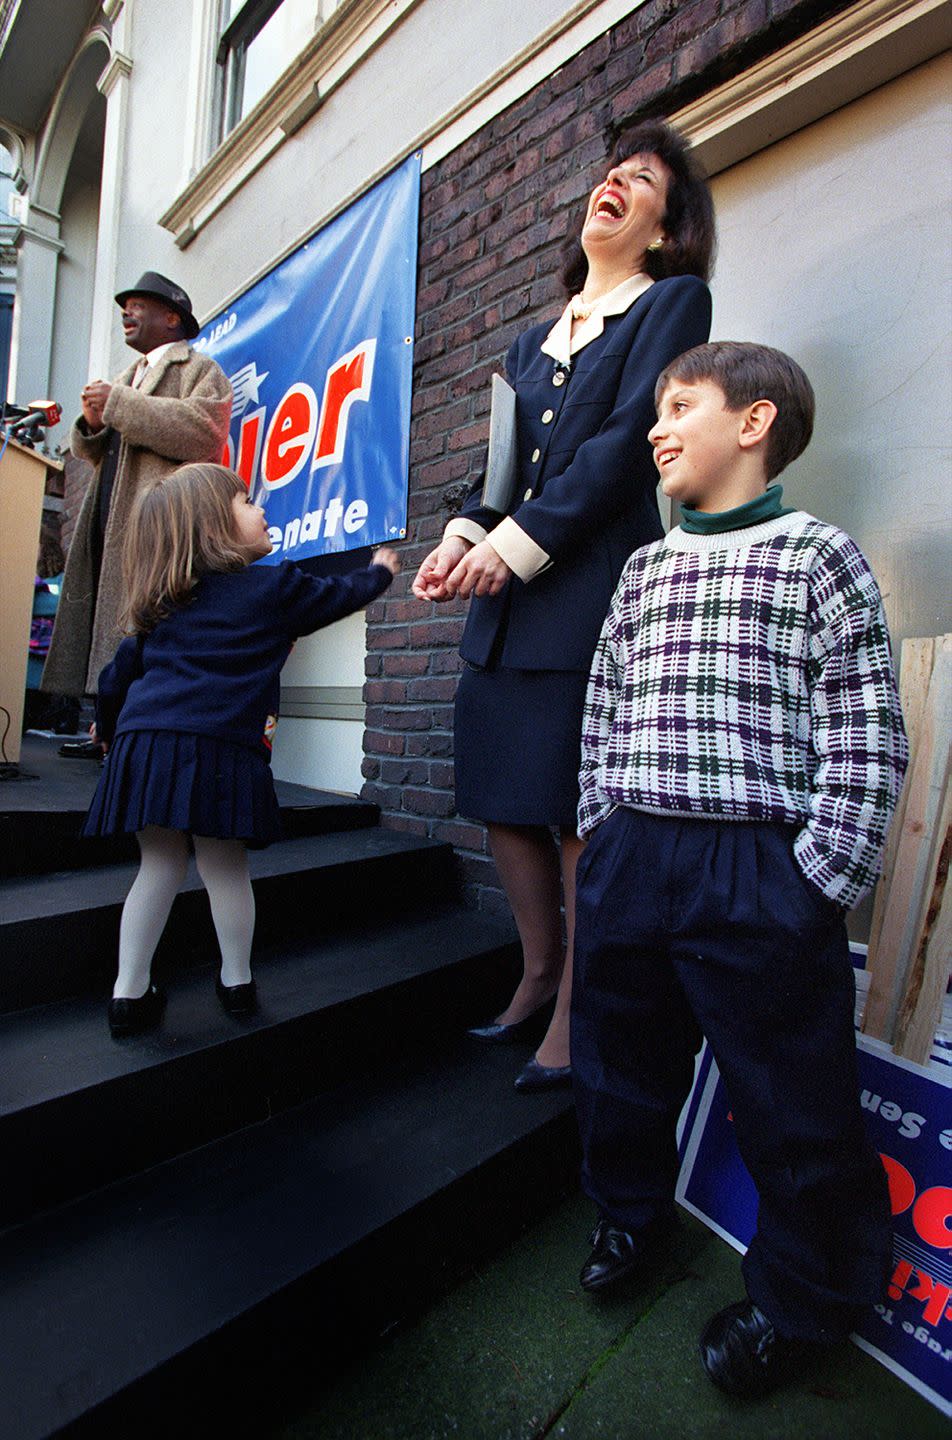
586,491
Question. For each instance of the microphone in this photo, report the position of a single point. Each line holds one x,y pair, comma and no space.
38,412
28,425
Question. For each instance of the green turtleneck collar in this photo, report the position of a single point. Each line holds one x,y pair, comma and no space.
754,512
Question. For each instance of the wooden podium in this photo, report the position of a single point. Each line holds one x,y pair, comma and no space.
22,486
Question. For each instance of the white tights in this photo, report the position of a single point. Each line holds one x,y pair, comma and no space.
223,869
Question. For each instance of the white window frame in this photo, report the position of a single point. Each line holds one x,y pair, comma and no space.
347,36
234,41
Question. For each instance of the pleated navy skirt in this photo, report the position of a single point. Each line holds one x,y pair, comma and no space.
518,739
184,782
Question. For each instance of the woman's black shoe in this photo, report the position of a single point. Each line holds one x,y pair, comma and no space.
496,1034
237,999
129,1017
534,1076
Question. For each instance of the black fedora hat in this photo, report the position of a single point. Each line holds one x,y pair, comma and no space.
157,287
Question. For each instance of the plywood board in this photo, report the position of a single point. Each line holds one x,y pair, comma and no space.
911,882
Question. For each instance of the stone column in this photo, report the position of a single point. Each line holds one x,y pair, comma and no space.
38,250
114,84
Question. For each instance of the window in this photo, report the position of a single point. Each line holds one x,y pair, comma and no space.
258,39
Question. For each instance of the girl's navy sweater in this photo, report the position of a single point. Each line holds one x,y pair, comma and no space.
212,667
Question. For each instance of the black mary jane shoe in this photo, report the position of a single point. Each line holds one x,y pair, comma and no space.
534,1076
130,1017
616,1252
82,750
237,999
744,1355
531,1025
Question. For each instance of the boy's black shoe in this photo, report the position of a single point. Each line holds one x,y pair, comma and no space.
129,1017
744,1355
616,1252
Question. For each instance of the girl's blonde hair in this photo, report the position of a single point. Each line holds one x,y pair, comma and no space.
180,529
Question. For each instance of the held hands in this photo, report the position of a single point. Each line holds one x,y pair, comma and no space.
456,567
94,397
430,582
481,572
388,558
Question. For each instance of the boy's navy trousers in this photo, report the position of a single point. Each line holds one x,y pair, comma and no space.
690,926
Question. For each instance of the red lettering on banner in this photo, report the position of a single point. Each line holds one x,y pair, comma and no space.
899,1280
249,445
938,1297
294,434
902,1187
932,1215
346,381
290,436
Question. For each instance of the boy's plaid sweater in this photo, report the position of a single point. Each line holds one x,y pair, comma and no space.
748,676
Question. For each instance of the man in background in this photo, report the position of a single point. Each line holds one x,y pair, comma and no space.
171,406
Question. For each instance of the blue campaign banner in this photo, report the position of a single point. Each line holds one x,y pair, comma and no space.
908,1112
319,353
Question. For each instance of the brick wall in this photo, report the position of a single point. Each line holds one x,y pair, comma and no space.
494,216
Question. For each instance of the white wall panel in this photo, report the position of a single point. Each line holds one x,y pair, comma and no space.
836,245
334,656
79,222
324,754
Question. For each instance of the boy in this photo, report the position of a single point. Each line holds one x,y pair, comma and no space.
742,753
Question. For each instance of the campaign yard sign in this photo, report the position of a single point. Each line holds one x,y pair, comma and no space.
319,353
908,1112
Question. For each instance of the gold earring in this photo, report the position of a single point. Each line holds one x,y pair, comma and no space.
657,244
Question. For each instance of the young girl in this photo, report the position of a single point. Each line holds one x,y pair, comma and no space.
187,710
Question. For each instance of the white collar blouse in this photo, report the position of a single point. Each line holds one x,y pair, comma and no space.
562,343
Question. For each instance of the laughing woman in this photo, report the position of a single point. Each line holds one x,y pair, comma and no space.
542,576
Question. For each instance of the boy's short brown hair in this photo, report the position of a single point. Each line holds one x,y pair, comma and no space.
747,372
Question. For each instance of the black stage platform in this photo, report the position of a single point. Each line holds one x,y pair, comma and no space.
49,784
42,810
251,1197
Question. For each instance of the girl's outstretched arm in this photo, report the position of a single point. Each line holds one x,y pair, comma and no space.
309,602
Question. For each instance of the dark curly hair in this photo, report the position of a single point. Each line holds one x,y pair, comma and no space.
689,215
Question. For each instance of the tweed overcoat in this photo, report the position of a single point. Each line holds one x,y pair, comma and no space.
179,413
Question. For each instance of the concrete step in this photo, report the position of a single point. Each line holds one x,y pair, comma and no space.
59,932
159,1303
330,1006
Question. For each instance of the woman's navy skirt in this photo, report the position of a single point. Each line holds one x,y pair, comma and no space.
184,782
518,744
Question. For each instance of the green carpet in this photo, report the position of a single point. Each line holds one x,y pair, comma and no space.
518,1352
